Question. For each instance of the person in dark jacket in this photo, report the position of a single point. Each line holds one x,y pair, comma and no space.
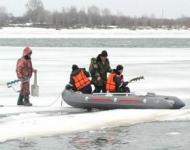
116,83
99,68
79,80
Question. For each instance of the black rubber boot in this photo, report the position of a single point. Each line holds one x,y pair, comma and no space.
20,100
26,101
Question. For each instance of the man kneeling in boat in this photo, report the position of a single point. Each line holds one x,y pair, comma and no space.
115,82
79,80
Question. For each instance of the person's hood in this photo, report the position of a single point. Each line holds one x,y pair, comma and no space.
27,51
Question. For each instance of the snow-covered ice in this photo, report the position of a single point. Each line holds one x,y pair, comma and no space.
27,32
166,71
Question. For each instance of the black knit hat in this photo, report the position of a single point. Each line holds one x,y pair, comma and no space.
74,67
104,53
119,67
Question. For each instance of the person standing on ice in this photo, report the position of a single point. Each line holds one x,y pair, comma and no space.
99,68
24,72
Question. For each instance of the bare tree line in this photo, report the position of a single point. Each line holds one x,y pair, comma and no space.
4,17
93,17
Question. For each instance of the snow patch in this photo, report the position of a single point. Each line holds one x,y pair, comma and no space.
27,32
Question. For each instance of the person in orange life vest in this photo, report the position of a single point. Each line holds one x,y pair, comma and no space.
115,81
24,72
79,79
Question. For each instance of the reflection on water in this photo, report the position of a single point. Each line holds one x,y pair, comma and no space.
95,139
147,136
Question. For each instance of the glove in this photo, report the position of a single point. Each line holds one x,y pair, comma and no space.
69,86
25,79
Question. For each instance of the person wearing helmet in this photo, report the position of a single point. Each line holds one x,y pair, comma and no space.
24,72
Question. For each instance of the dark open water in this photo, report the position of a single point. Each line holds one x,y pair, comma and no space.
111,42
147,136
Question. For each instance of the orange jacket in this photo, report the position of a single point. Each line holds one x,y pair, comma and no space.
114,81
80,80
110,84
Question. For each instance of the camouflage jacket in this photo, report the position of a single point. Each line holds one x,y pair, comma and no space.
24,68
99,69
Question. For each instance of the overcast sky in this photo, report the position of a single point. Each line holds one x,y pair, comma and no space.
166,8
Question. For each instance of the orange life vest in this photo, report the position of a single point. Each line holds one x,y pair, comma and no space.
80,80
110,84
